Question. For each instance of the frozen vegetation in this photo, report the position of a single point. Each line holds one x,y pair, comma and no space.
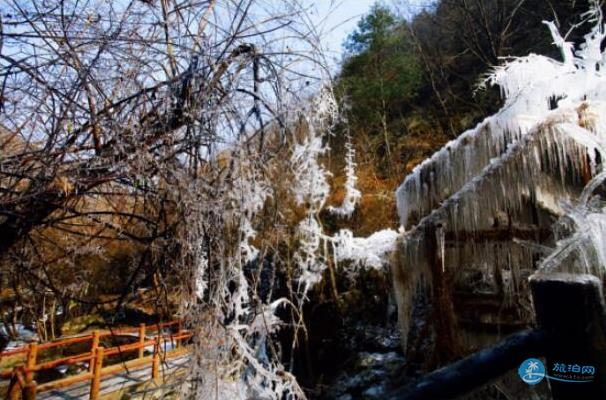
248,364
192,130
534,149
540,148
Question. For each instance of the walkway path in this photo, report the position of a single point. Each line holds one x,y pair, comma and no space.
81,390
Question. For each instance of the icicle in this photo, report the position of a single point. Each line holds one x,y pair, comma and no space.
503,159
352,194
310,264
441,241
310,184
200,277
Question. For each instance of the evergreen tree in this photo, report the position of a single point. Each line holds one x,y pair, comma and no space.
380,78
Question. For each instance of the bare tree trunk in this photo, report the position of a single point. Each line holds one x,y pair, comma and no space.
429,71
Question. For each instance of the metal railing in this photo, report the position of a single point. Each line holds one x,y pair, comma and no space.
571,329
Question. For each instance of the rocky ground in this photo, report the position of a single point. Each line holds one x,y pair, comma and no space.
374,368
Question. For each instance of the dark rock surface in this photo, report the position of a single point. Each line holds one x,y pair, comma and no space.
371,373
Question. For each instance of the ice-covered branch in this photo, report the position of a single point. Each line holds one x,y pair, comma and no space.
352,194
372,252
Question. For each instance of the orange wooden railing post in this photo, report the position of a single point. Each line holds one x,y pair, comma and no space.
32,355
15,388
24,387
141,340
93,350
96,379
30,391
179,327
156,364
14,393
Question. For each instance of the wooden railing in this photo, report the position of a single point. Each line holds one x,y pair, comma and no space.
23,384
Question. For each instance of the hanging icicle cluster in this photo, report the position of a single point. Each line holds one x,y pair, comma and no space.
352,194
233,329
311,188
529,156
237,355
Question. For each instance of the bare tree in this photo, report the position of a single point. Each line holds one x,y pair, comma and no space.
136,122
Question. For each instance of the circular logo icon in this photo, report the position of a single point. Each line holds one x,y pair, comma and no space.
532,371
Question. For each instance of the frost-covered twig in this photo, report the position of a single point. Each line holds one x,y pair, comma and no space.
352,194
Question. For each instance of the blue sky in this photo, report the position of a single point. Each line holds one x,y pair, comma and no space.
337,18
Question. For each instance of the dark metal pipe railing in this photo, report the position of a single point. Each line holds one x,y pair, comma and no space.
477,369
570,315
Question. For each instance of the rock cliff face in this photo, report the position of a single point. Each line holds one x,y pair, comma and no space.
463,264
489,208
353,340
479,214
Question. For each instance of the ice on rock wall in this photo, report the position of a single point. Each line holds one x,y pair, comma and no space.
544,160
530,85
584,250
537,153
448,170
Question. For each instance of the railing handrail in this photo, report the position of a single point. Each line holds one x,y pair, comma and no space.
85,337
569,312
109,351
26,372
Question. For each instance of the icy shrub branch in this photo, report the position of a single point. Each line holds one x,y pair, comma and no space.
352,194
